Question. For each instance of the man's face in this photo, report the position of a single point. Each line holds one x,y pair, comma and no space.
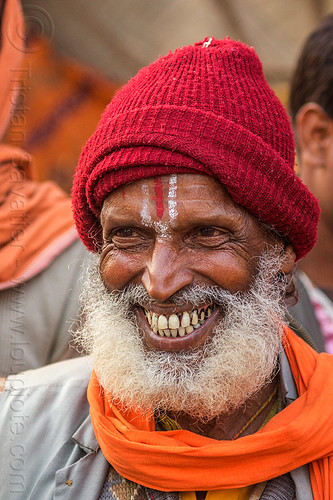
169,234
187,317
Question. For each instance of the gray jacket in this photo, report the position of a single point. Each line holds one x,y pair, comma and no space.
48,447
36,315
304,313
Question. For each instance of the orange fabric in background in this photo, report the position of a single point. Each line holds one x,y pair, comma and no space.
36,222
11,54
59,104
183,461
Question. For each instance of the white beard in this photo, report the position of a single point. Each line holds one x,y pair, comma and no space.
233,364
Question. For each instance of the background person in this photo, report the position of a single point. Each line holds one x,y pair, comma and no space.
311,107
40,253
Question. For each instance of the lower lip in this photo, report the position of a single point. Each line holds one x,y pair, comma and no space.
189,341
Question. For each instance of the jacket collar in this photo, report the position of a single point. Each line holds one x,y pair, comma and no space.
85,437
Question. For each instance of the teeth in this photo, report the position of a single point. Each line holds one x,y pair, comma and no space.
186,319
195,318
154,321
162,322
181,331
174,322
177,326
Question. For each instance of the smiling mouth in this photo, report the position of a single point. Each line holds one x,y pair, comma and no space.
178,324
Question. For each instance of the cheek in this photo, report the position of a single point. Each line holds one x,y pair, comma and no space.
119,270
231,273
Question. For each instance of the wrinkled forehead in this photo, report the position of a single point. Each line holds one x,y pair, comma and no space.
167,197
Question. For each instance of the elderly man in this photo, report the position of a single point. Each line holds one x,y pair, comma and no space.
187,194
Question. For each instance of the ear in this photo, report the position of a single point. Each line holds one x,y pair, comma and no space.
289,259
314,132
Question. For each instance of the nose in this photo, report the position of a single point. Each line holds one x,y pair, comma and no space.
166,272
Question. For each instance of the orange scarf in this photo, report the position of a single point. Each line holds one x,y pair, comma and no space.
183,461
36,222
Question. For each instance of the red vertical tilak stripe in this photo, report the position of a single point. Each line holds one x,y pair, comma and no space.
158,188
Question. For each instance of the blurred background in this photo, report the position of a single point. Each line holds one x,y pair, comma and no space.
80,52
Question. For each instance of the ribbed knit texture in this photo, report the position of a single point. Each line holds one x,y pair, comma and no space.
204,109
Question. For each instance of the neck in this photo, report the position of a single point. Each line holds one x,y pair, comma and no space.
318,264
229,425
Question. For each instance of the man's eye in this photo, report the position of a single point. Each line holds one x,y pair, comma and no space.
125,233
124,236
208,232
210,237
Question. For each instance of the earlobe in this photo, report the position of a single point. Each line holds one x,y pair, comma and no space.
289,259
313,132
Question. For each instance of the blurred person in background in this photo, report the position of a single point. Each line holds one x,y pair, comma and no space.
311,108
40,253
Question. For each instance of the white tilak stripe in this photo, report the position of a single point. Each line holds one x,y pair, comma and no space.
145,216
172,203
163,229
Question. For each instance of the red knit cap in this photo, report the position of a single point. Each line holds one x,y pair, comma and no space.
204,109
